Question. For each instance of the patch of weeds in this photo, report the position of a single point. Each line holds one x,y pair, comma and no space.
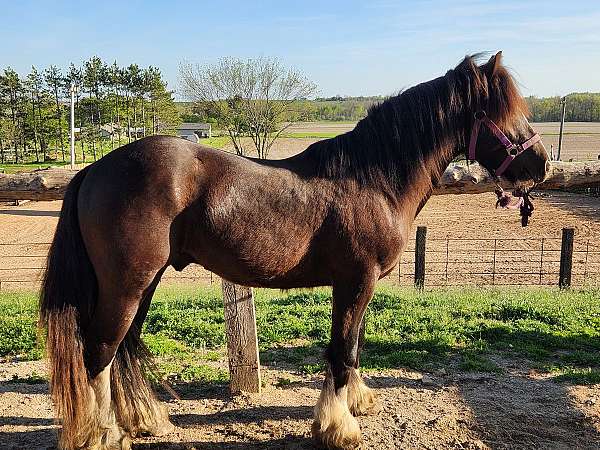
303,354
160,345
212,355
581,358
283,382
414,359
472,362
175,372
312,369
33,378
579,375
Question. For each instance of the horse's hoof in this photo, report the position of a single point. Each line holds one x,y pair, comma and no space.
343,435
125,443
115,439
110,442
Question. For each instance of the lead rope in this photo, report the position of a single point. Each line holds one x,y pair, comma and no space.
508,201
526,209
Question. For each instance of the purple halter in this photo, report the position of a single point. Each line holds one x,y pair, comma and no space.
512,149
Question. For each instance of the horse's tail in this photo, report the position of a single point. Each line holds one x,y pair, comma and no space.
68,295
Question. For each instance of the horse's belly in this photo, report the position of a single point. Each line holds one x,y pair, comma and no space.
260,260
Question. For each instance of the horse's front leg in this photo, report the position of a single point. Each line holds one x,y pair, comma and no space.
361,398
334,426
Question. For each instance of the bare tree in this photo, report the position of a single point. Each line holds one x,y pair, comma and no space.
248,97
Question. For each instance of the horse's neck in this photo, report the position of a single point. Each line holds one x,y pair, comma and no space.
420,187
415,174
426,170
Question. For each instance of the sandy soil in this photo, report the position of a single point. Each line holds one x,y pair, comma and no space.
517,410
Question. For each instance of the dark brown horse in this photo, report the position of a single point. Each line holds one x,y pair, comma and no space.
337,214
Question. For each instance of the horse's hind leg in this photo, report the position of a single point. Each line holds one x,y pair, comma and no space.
334,426
138,410
112,359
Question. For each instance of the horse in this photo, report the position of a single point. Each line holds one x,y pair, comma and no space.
338,214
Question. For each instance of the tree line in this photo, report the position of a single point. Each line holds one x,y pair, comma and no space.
580,107
113,105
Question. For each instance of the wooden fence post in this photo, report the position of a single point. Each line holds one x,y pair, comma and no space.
242,341
420,257
566,258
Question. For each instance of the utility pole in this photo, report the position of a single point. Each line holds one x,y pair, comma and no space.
563,104
73,91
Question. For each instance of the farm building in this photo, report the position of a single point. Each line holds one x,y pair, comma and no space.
194,131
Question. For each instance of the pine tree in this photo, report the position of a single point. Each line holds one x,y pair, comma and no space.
55,82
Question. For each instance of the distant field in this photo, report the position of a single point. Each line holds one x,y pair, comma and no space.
581,140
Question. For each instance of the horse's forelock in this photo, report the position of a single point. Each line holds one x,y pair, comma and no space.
498,91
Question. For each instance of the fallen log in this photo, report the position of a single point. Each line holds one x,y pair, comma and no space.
50,184
460,179
42,184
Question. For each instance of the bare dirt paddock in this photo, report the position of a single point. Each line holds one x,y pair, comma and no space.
516,410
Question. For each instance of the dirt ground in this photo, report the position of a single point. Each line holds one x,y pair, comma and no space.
515,410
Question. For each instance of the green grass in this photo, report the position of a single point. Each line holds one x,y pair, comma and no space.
18,326
576,375
216,141
29,166
311,134
468,330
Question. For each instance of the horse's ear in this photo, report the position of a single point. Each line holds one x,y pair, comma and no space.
493,64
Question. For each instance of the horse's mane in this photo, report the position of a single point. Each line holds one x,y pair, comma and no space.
423,124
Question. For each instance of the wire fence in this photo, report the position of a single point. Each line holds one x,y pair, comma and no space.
448,262
502,262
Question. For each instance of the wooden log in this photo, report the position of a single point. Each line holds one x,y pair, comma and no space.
460,179
242,341
43,184
50,184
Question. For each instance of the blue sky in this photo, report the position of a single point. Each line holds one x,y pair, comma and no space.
345,47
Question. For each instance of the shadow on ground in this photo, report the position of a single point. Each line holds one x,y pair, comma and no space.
292,442
29,213
243,415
